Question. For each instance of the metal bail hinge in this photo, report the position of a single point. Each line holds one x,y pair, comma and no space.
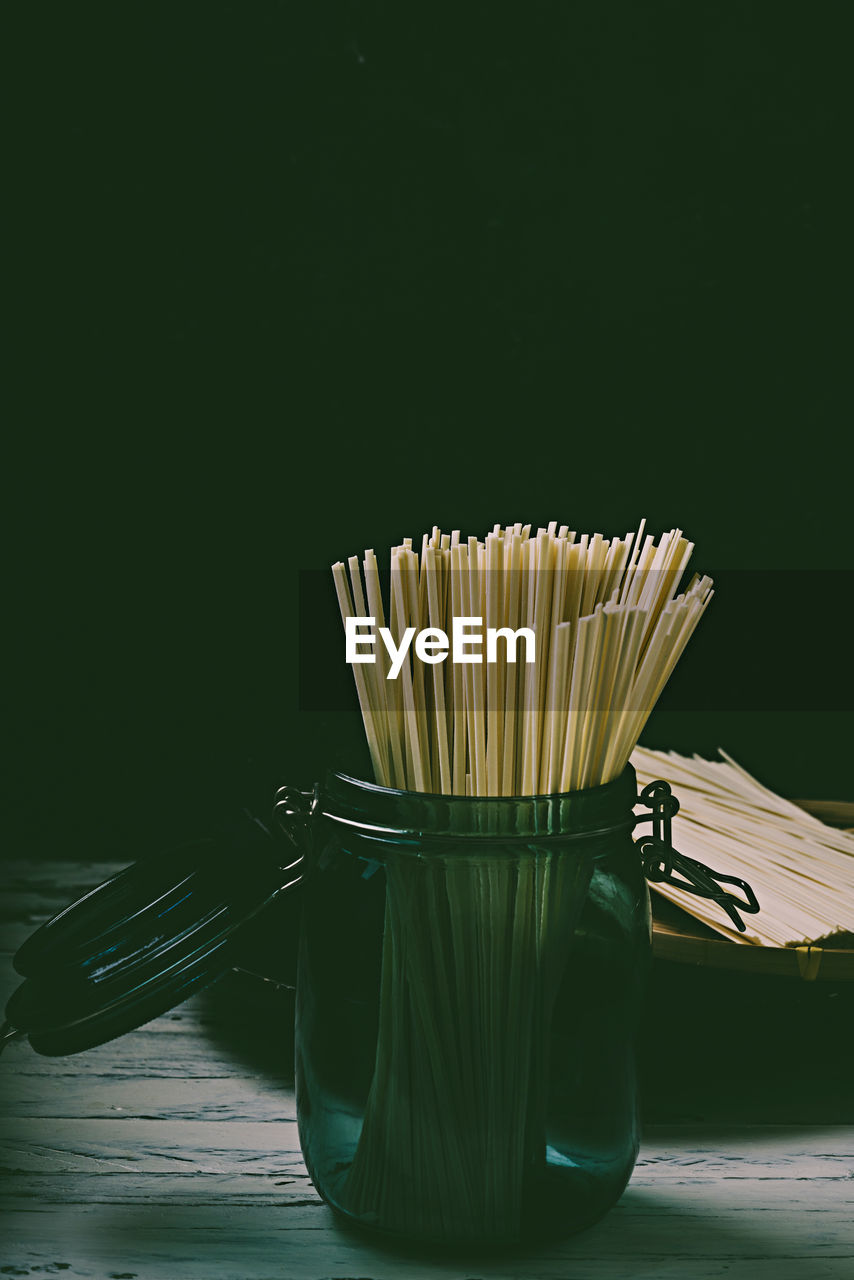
660,860
293,810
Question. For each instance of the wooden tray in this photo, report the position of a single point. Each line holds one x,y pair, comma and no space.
678,937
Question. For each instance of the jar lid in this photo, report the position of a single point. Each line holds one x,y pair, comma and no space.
145,940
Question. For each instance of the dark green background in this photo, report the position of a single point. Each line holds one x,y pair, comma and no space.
298,279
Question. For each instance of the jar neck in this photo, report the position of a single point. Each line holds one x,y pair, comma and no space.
398,815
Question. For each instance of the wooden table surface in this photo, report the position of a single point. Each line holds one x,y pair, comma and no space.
173,1153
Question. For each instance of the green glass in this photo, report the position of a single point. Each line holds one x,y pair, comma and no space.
470,981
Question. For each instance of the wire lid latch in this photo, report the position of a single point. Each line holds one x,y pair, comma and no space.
660,860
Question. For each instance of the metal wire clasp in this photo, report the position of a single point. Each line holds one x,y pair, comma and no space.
293,810
660,860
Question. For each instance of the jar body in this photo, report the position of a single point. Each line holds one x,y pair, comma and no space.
468,993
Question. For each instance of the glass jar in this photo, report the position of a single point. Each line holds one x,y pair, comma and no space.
470,980
469,983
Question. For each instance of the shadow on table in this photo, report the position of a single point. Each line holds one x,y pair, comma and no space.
717,1054
252,1020
647,1233
747,1049
714,1047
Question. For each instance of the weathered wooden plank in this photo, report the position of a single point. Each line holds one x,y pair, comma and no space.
150,1145
110,1182
157,1051
215,1034
641,1237
172,1154
671,1153
164,1097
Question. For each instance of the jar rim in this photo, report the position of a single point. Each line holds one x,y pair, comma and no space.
371,787
389,815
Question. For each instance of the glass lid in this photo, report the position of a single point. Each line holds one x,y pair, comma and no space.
145,940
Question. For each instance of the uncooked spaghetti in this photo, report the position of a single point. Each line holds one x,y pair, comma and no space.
801,869
609,629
